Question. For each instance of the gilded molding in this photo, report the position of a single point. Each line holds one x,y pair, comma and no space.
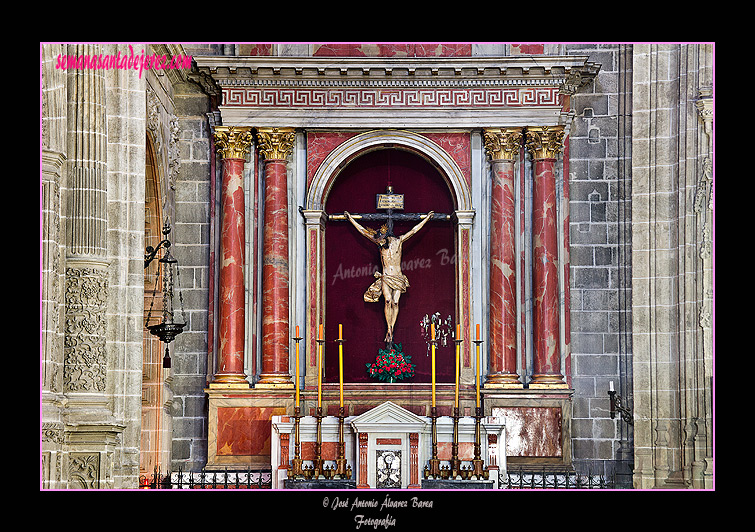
544,142
502,143
233,142
275,142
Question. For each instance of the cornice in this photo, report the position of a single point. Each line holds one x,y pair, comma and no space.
369,92
235,71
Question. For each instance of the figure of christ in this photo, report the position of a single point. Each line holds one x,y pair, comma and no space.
391,283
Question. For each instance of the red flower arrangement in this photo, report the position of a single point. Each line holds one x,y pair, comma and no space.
391,364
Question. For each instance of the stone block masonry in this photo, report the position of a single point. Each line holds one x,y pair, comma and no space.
600,239
191,248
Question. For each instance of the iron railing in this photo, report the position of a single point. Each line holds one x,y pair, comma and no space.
519,478
515,478
204,480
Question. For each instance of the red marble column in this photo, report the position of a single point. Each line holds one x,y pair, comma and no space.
544,145
232,144
275,144
502,147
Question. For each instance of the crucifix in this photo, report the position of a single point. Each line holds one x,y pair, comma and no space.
391,282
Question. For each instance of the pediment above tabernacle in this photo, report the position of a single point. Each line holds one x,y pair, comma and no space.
388,417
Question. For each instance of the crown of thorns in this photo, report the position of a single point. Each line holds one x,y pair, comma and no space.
382,231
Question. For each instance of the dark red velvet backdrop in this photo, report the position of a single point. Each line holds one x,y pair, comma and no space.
351,259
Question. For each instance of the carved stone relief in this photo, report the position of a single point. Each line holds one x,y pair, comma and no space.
84,470
388,469
165,135
84,348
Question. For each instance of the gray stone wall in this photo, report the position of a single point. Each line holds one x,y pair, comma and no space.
600,237
126,155
192,230
672,212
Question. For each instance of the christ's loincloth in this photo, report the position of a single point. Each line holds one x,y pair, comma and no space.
394,282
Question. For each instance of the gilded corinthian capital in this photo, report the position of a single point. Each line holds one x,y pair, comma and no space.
275,142
233,142
545,142
502,143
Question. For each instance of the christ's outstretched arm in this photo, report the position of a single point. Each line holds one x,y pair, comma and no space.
359,227
417,227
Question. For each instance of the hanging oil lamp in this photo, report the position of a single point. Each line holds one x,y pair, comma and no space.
168,329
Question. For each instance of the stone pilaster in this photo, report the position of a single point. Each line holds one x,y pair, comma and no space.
86,227
90,430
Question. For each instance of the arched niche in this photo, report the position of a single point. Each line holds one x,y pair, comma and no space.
422,254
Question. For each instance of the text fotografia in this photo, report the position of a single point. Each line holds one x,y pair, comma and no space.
359,505
120,61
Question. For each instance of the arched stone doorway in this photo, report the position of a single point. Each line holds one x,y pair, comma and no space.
156,421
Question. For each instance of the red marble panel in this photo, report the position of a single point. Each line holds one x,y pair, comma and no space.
388,441
459,147
255,49
319,145
527,49
466,310
414,460
363,444
328,450
532,431
445,450
314,265
393,50
245,431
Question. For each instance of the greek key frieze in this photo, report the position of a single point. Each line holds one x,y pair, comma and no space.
392,98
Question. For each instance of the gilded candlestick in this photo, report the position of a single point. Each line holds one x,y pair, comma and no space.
318,461
455,462
434,463
341,469
296,464
477,368
297,339
432,341
340,360
458,342
320,341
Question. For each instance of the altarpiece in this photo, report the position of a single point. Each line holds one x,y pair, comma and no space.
477,144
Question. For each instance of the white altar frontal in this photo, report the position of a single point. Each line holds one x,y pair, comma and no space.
389,447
